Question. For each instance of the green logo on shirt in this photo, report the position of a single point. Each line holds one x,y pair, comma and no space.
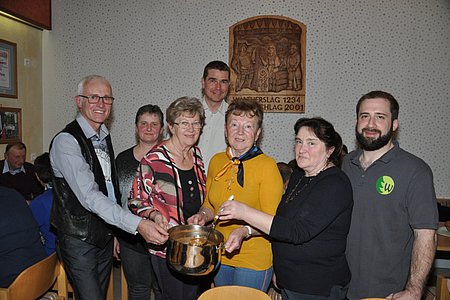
385,185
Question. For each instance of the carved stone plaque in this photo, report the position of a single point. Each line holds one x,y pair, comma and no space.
268,60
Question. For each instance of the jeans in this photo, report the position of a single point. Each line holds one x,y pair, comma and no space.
138,271
227,275
87,266
337,292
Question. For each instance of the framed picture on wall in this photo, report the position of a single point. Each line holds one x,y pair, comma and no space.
8,69
10,125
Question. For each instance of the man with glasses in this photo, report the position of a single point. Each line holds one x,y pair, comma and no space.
215,85
87,195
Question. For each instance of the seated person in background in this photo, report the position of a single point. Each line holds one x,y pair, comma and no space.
285,171
42,204
18,174
20,242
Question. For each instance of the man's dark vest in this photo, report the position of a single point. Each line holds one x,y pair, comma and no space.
68,216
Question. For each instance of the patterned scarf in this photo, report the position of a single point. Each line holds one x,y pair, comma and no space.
237,161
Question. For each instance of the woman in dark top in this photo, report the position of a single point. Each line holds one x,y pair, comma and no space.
310,227
133,250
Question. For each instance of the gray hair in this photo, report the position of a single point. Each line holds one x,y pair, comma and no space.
88,79
182,105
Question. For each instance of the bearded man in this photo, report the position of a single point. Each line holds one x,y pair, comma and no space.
392,238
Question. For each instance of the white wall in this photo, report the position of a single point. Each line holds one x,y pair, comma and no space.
155,51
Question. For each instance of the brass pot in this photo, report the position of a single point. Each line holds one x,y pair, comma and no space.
194,249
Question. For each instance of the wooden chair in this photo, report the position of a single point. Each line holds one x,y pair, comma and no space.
123,284
34,281
233,292
442,292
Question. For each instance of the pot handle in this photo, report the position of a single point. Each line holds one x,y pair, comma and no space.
221,248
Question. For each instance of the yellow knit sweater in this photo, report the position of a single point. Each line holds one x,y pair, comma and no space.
263,189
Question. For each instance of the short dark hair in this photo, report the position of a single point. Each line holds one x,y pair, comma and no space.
285,171
394,107
18,145
325,132
42,167
250,108
216,65
150,109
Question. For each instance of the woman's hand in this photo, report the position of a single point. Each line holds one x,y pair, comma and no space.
200,218
233,209
160,220
235,239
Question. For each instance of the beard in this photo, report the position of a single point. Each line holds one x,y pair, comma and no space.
370,144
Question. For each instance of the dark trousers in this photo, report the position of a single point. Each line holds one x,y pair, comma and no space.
173,285
88,267
138,271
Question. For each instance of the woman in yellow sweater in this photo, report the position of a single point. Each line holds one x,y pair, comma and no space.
248,175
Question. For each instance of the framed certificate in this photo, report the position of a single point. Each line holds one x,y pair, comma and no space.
8,69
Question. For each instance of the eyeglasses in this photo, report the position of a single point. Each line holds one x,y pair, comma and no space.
94,99
186,125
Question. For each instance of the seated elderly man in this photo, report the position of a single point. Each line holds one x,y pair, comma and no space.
18,174
20,241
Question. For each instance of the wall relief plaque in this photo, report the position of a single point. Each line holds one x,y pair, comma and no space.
267,57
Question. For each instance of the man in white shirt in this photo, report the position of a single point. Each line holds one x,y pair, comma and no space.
215,86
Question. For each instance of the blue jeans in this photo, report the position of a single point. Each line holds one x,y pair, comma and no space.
227,275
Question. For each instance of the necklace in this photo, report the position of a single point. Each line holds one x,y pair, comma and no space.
294,193
180,153
291,195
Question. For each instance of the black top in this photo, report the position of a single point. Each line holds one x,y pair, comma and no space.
310,232
127,167
20,241
191,192
25,183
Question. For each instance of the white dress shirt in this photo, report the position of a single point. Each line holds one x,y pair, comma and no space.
212,139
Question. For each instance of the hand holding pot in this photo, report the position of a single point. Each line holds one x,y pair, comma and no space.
235,239
160,220
152,232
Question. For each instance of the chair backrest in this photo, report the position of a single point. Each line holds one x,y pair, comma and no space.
442,288
33,281
233,292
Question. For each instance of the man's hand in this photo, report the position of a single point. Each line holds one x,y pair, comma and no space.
405,295
152,232
116,249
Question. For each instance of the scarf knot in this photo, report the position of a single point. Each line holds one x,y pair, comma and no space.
237,161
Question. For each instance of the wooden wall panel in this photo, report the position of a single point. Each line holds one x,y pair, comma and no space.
36,12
